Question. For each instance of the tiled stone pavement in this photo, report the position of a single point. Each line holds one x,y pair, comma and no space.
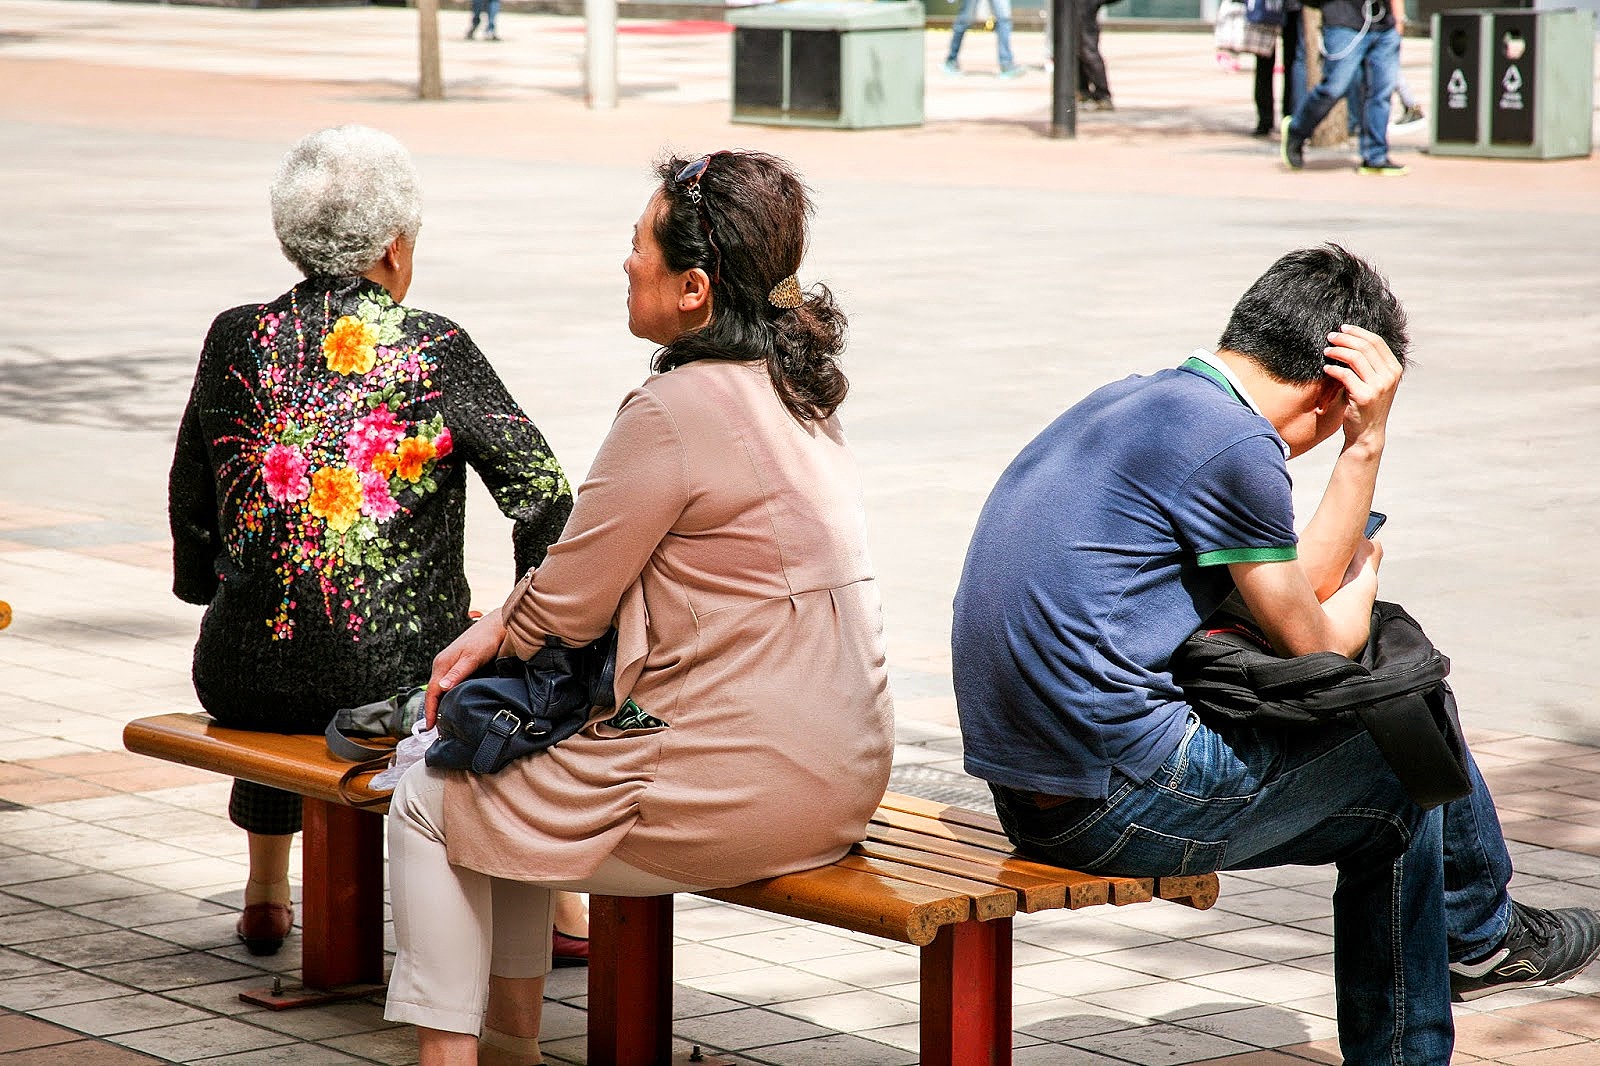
139,148
120,880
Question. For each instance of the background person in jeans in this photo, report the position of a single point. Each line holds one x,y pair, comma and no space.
1359,39
1112,537
1002,36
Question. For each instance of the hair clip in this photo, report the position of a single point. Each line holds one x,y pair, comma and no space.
786,294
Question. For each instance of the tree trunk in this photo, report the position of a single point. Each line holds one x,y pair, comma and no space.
1334,130
430,82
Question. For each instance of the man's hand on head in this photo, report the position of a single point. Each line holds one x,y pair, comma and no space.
1361,362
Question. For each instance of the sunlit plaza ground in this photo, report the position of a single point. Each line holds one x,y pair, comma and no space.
993,276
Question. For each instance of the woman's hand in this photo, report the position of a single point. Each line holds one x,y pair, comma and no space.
477,646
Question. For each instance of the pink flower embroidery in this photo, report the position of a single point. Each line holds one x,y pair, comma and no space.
285,471
442,443
373,433
376,503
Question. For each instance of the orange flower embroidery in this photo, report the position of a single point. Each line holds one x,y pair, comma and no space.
413,453
352,346
336,497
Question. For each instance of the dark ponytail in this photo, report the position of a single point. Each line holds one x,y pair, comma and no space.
748,233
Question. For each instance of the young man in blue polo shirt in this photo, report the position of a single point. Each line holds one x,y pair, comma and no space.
1113,536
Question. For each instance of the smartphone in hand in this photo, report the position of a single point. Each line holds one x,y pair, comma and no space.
1375,521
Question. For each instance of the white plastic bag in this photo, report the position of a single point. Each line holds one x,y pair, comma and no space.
409,751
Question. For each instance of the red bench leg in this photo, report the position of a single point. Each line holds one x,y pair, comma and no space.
630,980
966,995
341,919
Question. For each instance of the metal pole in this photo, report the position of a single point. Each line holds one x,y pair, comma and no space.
430,82
1064,32
600,53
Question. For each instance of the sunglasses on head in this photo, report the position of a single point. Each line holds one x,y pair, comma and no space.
689,177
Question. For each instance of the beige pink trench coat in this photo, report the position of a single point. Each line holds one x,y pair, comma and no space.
728,542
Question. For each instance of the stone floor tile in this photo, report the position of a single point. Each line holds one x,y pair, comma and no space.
285,1055
10,904
1578,1015
121,1014
222,997
1056,1055
51,789
1278,876
118,945
837,1049
1256,1058
320,1023
1577,1055
1176,960
1163,1044
175,971
191,874
1268,1026
1555,864
1503,780
55,988
1550,803
864,969
1324,1051
765,985
1178,922
81,888
21,1031
154,909
71,837
78,1053
1167,1001
1569,836
17,964
103,807
1266,984
693,1003
1525,748
1070,1019
1082,934
156,775
747,1029
791,944
1278,905
1274,943
850,1012
1323,1006
1078,977
711,923
204,1039
560,1021
30,926
1493,1036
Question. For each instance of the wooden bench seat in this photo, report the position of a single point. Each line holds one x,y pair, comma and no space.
942,878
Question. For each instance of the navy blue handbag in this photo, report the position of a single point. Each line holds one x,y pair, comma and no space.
1264,12
517,707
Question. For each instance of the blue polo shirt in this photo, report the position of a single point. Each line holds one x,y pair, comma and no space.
1102,547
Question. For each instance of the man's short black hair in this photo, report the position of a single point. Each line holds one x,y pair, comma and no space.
1283,321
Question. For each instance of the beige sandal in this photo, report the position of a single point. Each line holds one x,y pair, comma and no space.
525,1046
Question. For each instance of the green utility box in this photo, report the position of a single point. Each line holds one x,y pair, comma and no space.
1513,84
847,64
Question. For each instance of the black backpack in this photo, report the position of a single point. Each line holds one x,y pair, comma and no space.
1396,689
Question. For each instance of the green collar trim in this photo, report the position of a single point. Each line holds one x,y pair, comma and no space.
1200,366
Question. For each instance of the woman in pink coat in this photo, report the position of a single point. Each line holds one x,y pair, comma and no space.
721,530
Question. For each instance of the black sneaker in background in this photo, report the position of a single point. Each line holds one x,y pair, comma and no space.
1541,948
1293,147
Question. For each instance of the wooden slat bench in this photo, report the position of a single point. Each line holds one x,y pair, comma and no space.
942,878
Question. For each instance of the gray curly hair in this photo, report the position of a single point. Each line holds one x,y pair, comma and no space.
340,196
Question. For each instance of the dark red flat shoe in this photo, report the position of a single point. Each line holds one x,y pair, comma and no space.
569,950
263,926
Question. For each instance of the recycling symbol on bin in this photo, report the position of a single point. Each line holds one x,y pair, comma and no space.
1456,90
1512,82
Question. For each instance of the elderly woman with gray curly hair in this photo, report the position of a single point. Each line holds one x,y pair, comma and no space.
317,493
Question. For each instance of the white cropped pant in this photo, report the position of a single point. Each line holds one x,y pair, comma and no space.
445,916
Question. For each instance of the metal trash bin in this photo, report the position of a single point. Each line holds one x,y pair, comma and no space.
846,64
1513,84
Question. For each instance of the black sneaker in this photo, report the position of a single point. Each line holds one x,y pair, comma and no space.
1386,169
1541,948
1294,156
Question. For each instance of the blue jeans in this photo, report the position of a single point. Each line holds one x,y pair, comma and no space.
481,9
1374,56
1239,797
1002,30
